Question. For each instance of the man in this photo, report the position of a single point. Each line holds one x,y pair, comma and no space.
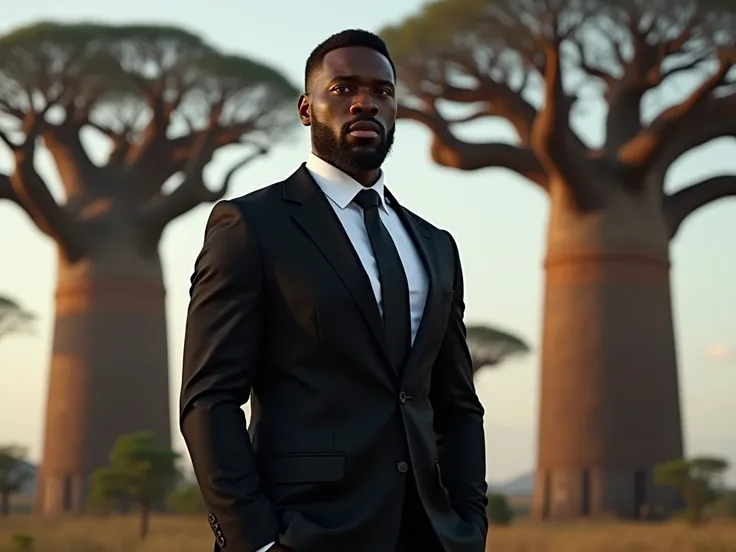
340,314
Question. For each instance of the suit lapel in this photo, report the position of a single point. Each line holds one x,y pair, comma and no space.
422,239
318,220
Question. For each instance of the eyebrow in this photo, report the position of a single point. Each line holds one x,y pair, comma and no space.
351,78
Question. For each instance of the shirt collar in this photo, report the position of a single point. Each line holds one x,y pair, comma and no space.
338,186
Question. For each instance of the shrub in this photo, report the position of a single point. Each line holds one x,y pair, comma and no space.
499,512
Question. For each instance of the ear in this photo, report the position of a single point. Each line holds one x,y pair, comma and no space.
303,106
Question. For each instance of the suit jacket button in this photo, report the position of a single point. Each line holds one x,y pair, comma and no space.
403,467
402,397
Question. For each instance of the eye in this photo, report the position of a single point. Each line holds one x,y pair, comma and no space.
385,92
341,88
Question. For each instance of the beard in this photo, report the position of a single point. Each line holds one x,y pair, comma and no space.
349,156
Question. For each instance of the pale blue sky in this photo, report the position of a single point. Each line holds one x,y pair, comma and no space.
497,219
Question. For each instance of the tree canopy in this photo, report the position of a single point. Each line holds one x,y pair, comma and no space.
491,346
13,318
165,99
14,474
141,470
698,479
529,62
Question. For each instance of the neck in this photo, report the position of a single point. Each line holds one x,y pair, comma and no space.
364,178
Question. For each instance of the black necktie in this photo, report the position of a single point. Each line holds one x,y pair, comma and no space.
394,287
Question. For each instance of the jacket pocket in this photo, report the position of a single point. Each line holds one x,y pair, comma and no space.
284,469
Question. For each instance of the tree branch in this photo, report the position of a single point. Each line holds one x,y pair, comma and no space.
679,205
46,213
504,101
642,151
560,151
163,208
76,169
26,188
551,127
7,192
711,120
449,151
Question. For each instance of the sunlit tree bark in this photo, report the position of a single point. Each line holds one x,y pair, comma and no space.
610,406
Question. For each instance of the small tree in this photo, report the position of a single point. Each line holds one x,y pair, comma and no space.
14,475
141,470
698,479
491,346
498,510
13,318
186,500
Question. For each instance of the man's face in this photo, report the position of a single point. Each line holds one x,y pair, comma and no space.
351,109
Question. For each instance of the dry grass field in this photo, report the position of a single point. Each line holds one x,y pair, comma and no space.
171,534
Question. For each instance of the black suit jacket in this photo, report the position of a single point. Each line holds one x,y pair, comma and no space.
282,312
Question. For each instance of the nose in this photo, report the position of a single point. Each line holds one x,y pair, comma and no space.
363,103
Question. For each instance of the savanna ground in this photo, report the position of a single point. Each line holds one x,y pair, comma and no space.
182,534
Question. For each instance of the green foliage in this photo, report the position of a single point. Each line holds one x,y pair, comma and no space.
21,543
445,27
119,68
13,474
13,318
724,507
498,510
698,479
490,346
471,51
141,470
186,500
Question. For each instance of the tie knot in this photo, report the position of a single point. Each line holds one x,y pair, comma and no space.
367,199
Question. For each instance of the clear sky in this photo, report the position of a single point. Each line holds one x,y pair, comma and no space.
497,218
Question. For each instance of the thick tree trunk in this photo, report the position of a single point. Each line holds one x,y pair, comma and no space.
109,368
610,406
145,520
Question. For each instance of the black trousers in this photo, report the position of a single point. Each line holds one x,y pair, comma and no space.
416,533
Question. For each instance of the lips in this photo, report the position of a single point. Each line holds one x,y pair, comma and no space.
365,129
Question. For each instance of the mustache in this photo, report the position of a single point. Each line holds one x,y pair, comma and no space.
363,119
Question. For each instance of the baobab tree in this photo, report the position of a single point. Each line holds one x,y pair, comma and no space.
610,407
166,101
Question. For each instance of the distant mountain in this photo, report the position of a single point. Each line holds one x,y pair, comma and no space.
521,485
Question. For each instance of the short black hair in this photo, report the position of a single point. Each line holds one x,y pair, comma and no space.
344,39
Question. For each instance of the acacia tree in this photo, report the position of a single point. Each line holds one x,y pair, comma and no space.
699,480
166,101
13,317
608,347
491,346
141,471
15,474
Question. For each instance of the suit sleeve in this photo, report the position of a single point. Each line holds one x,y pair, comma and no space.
459,416
220,364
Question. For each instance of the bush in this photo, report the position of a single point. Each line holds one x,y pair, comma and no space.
725,507
499,512
186,500
21,543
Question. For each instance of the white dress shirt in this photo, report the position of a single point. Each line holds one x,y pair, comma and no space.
340,190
